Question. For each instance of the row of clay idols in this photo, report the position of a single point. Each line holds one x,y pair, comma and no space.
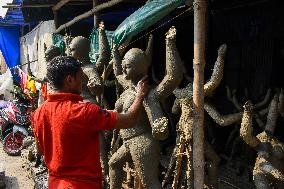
79,47
140,142
128,72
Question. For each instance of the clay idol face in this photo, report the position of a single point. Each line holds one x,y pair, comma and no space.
79,47
134,64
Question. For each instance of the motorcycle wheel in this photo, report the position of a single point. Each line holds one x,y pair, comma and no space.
13,143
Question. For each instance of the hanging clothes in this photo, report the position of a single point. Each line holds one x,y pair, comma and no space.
40,99
24,78
6,84
44,41
31,40
33,46
31,85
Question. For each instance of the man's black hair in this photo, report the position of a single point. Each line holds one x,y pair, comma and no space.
59,68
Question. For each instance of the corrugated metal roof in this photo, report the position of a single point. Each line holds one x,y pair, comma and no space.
14,15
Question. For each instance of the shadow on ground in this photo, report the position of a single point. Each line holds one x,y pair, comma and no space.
11,183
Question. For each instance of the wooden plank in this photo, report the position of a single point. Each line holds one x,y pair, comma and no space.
14,20
11,5
37,5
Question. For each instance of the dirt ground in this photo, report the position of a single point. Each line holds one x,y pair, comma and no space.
16,176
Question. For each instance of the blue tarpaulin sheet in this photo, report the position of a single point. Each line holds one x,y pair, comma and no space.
10,45
143,18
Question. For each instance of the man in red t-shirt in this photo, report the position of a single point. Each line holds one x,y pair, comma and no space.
67,129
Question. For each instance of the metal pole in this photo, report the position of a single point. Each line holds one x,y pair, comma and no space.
198,92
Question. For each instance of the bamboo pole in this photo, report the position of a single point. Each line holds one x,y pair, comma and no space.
96,15
59,5
55,18
98,8
198,92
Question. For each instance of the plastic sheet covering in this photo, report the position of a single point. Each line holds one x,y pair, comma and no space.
6,84
58,41
143,18
10,45
94,40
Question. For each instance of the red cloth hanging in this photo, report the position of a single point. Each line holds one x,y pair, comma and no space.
44,91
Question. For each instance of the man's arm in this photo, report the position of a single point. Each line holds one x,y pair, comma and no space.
128,119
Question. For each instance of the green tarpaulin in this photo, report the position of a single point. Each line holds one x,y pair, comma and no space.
94,39
143,18
58,41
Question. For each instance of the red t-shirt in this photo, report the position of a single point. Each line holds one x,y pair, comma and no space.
67,131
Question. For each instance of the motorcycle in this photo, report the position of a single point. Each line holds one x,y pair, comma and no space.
15,120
